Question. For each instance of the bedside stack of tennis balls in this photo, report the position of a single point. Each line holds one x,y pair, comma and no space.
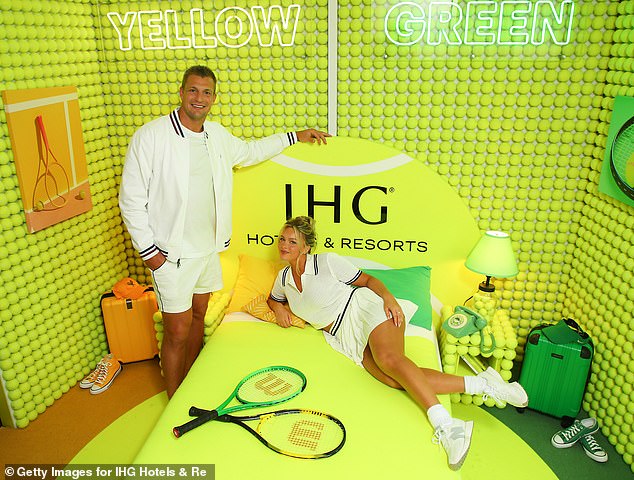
500,359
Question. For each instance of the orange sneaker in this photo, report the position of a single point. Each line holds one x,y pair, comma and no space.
107,372
89,380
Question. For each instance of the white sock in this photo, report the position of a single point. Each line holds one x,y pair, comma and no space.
438,416
474,385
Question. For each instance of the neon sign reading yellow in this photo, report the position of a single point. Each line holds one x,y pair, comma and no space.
233,27
481,23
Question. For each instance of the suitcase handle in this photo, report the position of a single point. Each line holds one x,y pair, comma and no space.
574,325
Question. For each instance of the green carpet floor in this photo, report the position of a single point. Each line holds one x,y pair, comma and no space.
536,429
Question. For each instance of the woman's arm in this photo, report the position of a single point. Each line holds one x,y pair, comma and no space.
282,313
392,309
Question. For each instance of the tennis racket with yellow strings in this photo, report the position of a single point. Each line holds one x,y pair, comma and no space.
299,433
264,387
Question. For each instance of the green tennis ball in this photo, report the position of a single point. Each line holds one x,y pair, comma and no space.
465,399
12,384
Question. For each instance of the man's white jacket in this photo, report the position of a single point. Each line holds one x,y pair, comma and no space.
154,183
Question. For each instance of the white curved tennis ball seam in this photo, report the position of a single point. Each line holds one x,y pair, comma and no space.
342,170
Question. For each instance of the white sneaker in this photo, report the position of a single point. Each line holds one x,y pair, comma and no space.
503,392
455,439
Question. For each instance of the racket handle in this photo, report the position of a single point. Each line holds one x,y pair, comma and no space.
40,124
196,422
196,412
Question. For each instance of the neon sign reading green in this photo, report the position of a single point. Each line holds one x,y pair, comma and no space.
481,23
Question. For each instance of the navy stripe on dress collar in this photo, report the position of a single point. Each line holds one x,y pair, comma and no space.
284,274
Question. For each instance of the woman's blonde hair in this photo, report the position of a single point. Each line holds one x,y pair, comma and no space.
304,228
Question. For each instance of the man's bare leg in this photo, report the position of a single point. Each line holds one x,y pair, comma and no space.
182,341
197,329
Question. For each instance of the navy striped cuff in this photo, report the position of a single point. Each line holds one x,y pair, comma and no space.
291,137
354,279
150,251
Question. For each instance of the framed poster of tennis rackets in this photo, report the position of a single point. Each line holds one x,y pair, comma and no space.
48,150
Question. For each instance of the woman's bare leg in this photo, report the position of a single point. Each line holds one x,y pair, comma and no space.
384,358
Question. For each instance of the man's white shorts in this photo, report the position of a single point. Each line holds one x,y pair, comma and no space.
176,283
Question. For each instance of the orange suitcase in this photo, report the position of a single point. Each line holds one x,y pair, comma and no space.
129,326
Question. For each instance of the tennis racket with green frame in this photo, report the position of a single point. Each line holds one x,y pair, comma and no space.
262,388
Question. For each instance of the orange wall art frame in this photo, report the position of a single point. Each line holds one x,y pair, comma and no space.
48,150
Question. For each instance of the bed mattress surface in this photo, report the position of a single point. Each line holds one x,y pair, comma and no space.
386,431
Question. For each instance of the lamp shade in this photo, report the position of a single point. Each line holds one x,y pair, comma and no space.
493,256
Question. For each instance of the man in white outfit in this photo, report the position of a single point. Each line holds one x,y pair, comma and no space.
175,199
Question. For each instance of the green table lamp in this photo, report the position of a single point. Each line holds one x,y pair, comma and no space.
492,256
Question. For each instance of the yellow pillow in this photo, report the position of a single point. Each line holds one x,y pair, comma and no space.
255,277
260,309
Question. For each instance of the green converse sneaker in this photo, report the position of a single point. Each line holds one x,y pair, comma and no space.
593,449
569,436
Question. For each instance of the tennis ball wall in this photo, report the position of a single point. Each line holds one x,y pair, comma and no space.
599,278
51,331
520,135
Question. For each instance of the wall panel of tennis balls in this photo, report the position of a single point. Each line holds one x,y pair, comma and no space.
521,139
601,275
51,331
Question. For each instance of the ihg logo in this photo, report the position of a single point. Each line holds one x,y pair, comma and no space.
363,199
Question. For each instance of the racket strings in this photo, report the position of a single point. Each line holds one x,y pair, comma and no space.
306,434
270,386
46,179
623,147
623,153
303,433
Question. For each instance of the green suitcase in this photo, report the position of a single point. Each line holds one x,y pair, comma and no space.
556,369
